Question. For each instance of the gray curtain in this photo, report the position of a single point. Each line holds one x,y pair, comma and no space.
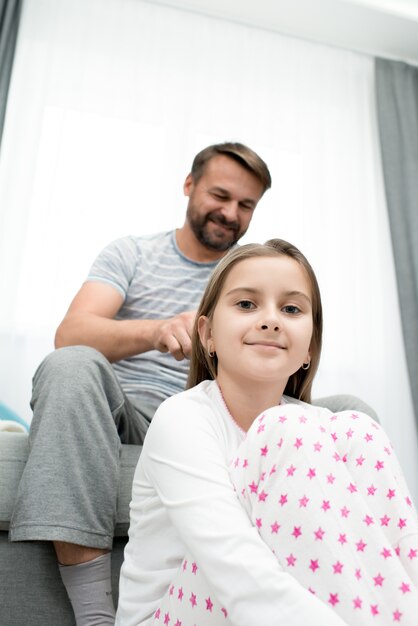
397,110
9,21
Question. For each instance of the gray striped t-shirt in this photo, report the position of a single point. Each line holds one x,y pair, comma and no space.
157,282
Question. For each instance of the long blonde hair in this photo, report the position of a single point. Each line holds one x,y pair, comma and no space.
204,367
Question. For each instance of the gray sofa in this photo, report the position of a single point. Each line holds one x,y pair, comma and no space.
31,591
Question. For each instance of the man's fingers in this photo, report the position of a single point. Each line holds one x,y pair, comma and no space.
175,336
174,347
184,341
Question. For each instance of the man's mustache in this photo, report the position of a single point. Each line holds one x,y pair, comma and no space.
220,219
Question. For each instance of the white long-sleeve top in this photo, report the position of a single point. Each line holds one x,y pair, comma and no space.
183,501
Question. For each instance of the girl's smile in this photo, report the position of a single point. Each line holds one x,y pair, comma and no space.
265,344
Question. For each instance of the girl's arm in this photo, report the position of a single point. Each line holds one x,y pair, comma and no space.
184,461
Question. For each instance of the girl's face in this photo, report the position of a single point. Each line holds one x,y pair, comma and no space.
262,324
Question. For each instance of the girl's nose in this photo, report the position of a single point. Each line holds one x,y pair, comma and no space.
270,325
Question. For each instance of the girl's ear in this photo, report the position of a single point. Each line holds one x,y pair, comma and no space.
205,331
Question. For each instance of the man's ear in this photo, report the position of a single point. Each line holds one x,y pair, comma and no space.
188,185
205,332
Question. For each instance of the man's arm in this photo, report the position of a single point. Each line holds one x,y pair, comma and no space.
90,321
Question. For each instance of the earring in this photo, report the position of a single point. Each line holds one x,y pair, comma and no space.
306,366
211,353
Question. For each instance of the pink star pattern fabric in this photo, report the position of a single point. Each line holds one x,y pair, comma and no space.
327,496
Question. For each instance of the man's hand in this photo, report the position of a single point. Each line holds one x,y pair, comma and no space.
174,335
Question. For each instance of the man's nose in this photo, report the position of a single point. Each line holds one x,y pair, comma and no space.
230,210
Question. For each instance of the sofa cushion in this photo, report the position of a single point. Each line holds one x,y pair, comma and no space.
14,448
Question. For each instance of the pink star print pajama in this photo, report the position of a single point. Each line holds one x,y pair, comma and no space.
327,496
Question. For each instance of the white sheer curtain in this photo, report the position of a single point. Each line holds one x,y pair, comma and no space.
109,102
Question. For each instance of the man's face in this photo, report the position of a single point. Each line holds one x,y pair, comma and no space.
221,203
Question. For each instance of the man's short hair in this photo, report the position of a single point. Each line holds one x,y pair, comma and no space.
240,153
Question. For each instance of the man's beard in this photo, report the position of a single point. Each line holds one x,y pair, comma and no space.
202,231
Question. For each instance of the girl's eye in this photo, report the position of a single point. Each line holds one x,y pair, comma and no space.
247,305
292,309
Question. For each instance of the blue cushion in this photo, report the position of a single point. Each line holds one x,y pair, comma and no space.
9,415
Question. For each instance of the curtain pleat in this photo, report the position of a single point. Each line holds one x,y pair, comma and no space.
397,107
9,22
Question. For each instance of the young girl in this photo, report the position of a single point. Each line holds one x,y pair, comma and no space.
250,506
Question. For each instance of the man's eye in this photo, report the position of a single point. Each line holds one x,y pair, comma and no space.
292,309
245,304
247,207
219,196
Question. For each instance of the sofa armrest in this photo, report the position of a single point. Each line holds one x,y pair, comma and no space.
14,448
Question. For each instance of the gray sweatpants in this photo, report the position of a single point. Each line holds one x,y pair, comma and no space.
69,487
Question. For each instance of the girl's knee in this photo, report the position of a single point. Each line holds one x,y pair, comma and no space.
286,421
351,425
277,436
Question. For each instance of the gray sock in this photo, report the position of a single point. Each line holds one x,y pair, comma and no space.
89,588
